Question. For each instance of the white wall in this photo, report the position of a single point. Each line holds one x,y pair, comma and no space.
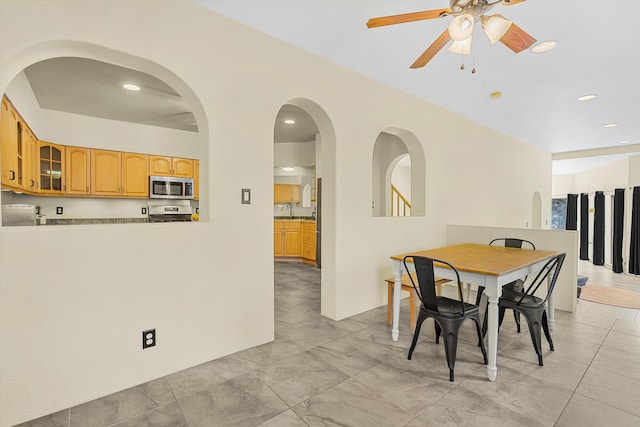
71,315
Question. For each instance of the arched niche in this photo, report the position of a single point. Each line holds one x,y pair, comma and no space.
391,147
536,211
22,59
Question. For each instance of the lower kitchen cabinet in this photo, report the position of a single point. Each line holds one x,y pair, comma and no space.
309,241
294,239
287,239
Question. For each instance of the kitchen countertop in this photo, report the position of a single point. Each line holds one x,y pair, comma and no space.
295,218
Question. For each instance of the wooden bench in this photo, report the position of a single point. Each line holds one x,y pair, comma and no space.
408,287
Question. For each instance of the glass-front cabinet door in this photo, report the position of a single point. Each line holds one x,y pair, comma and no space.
51,167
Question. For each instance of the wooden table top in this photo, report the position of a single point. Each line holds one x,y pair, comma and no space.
484,259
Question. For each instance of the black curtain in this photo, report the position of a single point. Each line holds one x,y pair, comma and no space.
634,249
598,230
572,212
618,228
584,226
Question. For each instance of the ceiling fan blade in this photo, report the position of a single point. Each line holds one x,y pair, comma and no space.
432,50
517,39
407,17
511,2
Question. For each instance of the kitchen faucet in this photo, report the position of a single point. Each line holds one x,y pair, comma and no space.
290,204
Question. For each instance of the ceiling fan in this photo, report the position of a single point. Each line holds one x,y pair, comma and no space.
466,13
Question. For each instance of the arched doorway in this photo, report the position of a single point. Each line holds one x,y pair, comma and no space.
321,184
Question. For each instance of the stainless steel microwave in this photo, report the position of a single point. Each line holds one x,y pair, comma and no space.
169,187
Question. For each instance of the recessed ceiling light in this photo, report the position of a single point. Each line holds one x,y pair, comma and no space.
610,125
289,121
544,46
495,95
131,86
587,97
626,141
288,168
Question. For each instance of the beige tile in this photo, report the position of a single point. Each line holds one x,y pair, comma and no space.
57,419
615,390
627,327
584,412
122,405
618,361
351,404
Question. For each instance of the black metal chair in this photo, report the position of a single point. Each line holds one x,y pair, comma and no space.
531,306
517,285
448,314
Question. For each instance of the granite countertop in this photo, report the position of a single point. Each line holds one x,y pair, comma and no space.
295,218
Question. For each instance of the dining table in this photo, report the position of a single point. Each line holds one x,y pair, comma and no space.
479,264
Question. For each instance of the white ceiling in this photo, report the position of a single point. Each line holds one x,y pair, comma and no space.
597,52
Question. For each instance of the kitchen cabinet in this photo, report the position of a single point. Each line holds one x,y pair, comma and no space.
30,160
50,168
309,240
196,180
77,171
135,175
286,193
287,238
106,169
170,166
11,143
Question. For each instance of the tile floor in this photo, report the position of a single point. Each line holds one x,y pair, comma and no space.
320,372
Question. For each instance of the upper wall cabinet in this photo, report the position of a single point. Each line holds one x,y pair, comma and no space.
196,179
43,168
170,166
105,172
286,193
50,168
135,175
77,171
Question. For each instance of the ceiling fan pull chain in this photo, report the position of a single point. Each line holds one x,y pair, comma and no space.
473,58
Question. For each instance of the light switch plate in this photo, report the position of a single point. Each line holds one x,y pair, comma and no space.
59,210
246,196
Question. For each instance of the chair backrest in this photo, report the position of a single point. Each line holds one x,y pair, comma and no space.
550,269
510,242
426,288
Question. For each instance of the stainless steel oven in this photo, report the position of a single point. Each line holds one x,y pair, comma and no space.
169,187
169,213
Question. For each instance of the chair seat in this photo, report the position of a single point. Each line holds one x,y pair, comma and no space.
448,307
512,298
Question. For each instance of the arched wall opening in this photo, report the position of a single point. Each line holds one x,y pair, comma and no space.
393,146
325,195
64,48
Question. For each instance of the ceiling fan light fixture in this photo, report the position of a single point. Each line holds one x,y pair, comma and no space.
289,121
544,46
461,47
495,27
461,27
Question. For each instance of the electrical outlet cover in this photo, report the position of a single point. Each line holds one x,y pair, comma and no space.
148,338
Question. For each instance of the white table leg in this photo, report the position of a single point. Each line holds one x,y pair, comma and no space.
493,296
397,288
